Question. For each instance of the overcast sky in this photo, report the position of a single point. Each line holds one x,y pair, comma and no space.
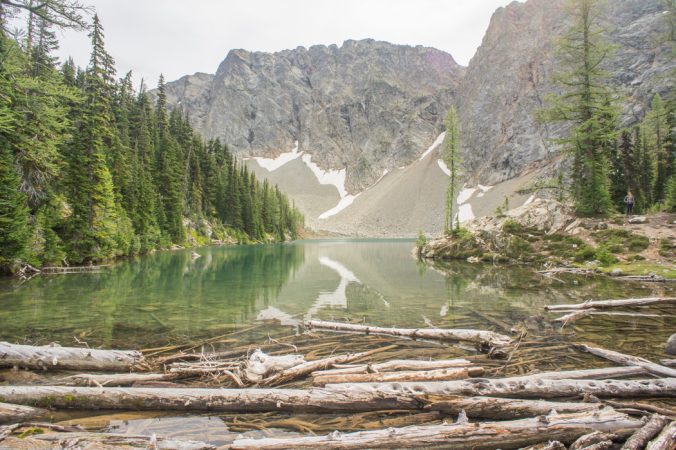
179,37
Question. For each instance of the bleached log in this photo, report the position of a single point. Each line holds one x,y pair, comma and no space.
260,365
19,413
319,364
585,374
628,360
551,445
396,364
666,440
574,316
54,357
109,440
443,334
423,375
505,435
595,440
640,438
518,388
117,379
600,304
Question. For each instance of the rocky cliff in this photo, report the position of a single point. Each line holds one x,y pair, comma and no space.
366,106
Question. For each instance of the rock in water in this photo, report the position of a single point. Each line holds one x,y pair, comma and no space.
671,345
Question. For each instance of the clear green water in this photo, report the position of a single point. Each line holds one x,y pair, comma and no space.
169,298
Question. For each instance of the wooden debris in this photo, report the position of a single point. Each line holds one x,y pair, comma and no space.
421,375
394,365
574,316
19,413
510,434
54,357
666,440
106,440
490,338
642,407
117,379
629,360
601,304
640,438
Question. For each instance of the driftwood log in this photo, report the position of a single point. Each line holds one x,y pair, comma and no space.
506,435
628,360
82,440
442,334
601,304
516,388
666,440
642,436
421,375
18,413
54,357
394,365
117,379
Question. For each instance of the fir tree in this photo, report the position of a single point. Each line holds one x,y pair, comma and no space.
13,212
451,157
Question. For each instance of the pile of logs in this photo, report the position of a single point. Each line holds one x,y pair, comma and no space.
596,408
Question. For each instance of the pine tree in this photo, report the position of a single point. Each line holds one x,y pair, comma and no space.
656,127
586,104
451,157
13,212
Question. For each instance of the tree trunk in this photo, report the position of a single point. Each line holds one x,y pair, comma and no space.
443,334
58,358
18,413
666,440
505,435
396,364
600,304
628,360
639,439
586,374
103,440
424,375
518,388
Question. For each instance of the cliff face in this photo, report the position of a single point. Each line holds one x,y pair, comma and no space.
366,106
511,74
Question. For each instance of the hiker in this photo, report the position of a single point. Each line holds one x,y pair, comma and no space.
629,201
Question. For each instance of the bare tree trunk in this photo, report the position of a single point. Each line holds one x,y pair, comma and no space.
18,413
600,304
58,358
639,439
505,435
443,334
424,375
629,360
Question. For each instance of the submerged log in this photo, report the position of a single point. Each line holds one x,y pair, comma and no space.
421,375
395,365
117,379
666,440
640,438
600,304
443,334
54,357
19,413
512,434
319,364
518,388
574,316
629,360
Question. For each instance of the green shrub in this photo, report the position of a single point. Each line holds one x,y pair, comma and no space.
422,240
604,256
511,226
586,253
638,243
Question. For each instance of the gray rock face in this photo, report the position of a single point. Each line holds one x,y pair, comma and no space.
366,106
512,72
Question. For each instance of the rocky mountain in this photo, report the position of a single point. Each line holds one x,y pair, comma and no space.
366,106
346,131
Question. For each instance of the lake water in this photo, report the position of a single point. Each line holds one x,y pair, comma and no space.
168,297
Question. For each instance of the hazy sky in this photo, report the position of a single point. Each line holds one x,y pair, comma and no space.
179,37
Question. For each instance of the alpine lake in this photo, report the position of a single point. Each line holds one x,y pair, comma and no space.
259,295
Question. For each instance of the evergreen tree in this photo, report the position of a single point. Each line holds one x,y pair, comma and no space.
586,104
656,128
13,212
451,157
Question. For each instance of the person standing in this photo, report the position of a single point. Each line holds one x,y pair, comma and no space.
629,202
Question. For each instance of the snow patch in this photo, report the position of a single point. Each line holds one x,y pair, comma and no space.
484,189
434,145
444,168
465,213
342,204
337,298
331,176
530,200
465,194
272,313
272,164
343,271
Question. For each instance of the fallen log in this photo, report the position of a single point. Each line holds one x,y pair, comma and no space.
600,304
117,379
642,407
551,445
506,435
593,441
666,440
628,360
103,440
585,374
54,357
490,338
574,316
319,364
396,364
18,413
518,388
424,375
640,438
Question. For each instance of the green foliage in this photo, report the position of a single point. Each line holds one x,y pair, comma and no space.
621,240
564,246
13,212
605,257
421,241
501,210
511,226
451,157
585,253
